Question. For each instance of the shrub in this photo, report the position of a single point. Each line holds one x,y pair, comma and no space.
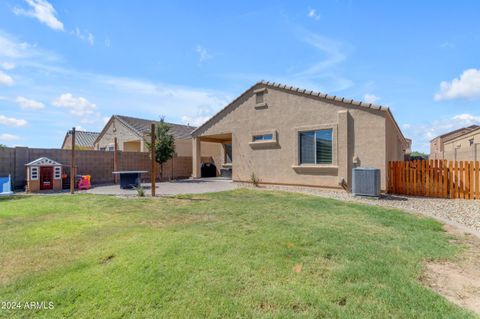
254,179
140,191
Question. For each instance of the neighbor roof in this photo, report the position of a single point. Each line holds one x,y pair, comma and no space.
142,126
467,129
307,93
83,138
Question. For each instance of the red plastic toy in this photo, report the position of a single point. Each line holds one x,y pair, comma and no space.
84,182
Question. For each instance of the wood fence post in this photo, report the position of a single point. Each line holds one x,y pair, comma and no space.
460,181
445,179
153,175
115,159
72,165
450,179
471,178
477,180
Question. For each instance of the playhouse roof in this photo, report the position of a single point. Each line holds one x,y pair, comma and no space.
43,161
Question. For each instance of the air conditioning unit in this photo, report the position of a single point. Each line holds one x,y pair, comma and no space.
366,181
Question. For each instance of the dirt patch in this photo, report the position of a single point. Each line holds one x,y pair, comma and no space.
107,259
458,281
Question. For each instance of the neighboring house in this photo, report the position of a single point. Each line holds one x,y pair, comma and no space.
132,132
83,140
292,136
463,147
437,145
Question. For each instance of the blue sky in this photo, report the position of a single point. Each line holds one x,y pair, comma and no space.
75,63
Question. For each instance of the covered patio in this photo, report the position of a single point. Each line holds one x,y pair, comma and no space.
223,161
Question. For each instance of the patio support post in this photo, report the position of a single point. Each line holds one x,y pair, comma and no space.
72,167
153,175
196,159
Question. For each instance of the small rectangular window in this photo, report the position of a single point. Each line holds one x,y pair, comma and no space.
58,173
259,98
34,173
316,147
263,137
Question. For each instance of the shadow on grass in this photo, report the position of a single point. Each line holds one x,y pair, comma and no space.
13,197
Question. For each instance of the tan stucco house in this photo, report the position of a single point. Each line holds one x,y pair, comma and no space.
131,133
292,136
83,140
463,147
438,144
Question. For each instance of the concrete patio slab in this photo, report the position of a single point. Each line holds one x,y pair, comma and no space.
186,186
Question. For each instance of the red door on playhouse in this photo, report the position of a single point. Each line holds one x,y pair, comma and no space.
46,178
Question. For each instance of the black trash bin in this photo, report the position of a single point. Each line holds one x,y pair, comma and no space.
209,170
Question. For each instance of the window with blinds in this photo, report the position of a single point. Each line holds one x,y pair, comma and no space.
316,147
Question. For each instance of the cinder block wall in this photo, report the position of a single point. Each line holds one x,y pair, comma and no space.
98,164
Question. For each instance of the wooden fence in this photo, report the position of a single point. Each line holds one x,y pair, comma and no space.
435,178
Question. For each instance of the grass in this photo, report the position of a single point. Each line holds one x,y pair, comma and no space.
242,253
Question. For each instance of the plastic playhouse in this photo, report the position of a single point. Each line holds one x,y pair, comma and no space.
6,185
44,174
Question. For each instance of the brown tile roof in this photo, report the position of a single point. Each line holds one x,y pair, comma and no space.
308,93
453,134
83,138
142,126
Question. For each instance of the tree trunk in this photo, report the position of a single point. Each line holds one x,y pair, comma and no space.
161,172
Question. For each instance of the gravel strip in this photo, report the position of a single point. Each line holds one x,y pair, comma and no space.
463,214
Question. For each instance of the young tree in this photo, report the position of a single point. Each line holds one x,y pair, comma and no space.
164,144
3,146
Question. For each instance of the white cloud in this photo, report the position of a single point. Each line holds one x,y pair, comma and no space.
371,98
84,36
28,104
5,79
203,114
11,121
423,133
312,13
7,65
10,48
331,49
203,54
77,106
5,137
21,53
467,86
447,45
43,11
190,105
467,118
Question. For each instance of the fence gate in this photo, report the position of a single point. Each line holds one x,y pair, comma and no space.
435,178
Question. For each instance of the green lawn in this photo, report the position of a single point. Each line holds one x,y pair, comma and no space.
242,253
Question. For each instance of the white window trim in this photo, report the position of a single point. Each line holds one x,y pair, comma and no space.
32,169
334,165
57,172
264,143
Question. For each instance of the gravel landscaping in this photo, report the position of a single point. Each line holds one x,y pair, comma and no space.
463,214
